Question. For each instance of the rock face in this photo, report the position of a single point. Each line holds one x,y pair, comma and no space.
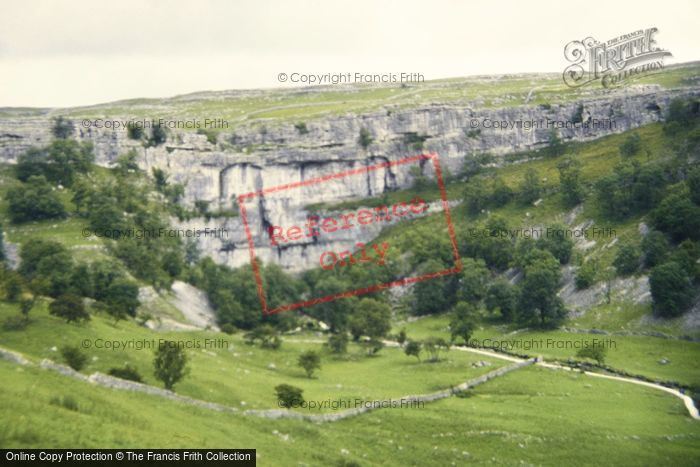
254,158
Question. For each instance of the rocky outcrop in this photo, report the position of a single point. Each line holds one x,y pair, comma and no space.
256,156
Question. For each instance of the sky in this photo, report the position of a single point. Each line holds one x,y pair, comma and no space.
58,53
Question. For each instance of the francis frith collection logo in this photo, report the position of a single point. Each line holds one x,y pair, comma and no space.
615,61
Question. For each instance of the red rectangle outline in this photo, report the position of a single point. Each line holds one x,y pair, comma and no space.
408,280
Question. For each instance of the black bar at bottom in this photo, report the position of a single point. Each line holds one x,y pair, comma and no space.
240,457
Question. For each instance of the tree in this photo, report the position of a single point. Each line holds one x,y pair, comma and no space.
594,352
434,346
501,194
693,182
462,322
502,296
401,337
34,200
338,343
473,282
570,181
476,195
265,334
631,146
539,302
365,138
678,216
530,189
586,273
334,313
372,346
655,248
170,364
74,357
671,289
289,396
62,128
626,260
556,147
557,242
122,298
13,286
310,361
159,135
70,308
371,318
430,296
413,349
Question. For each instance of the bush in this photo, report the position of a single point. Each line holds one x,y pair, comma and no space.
594,352
266,335
301,128
310,361
34,200
70,308
15,323
556,241
127,372
462,323
170,364
289,396
159,135
74,357
655,248
401,337
228,328
372,346
413,349
671,289
585,276
631,146
67,402
134,131
365,138
626,260
338,343
530,189
62,128
434,346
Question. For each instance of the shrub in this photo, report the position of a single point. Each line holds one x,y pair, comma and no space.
70,308
434,346
338,343
530,189
585,276
266,335
626,260
401,337
365,138
462,323
67,402
655,248
34,200
413,349
289,396
159,135
671,289
15,323
134,131
372,346
74,357
228,328
556,241
310,361
594,352
126,372
301,128
631,146
170,364
62,128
